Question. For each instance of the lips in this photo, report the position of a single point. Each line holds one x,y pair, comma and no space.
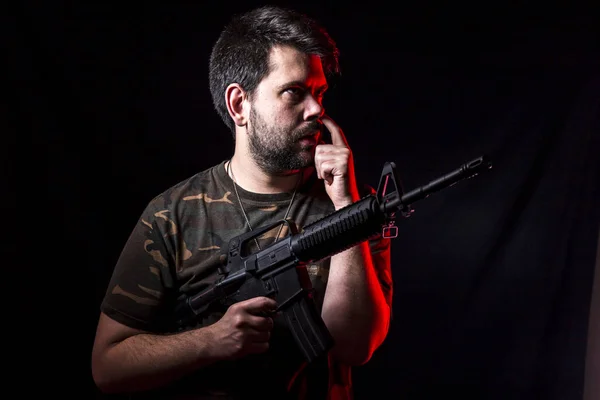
311,133
313,137
308,139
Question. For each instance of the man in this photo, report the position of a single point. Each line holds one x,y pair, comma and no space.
268,76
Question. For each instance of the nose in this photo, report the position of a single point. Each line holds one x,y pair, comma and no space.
313,109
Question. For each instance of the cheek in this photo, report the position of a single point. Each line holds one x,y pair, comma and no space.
269,112
282,118
280,115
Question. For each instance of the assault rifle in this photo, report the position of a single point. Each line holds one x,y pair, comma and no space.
279,270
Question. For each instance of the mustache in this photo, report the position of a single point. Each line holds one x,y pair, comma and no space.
309,129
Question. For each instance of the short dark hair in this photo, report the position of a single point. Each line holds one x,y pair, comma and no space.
241,53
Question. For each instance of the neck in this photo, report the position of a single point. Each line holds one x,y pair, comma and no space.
252,178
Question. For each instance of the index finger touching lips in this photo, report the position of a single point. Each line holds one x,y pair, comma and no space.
337,136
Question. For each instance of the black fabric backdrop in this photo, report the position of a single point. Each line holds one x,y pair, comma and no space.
492,277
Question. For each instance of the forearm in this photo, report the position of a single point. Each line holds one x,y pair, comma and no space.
354,308
147,361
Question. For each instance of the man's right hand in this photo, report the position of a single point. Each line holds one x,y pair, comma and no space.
244,329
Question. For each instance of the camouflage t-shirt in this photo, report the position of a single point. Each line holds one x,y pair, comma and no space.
175,251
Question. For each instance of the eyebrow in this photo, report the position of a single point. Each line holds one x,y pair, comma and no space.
321,88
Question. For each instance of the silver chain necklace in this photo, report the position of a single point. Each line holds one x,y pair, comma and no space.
230,172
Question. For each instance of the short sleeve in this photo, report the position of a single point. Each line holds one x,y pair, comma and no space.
140,287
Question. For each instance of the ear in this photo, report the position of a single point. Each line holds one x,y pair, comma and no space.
235,99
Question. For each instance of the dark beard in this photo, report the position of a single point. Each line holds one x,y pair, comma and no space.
276,150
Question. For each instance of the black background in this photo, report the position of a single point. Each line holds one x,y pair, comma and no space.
492,277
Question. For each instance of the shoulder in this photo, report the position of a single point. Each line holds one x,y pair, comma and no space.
199,185
200,188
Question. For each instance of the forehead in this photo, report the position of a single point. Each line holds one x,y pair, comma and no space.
288,65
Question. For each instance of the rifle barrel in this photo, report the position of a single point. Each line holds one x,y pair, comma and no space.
465,171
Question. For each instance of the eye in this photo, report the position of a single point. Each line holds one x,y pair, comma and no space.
295,91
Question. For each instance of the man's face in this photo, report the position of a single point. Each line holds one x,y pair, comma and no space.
284,126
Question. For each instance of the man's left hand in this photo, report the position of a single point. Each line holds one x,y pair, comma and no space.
335,165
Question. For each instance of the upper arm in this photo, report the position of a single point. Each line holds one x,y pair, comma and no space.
380,249
381,255
136,297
